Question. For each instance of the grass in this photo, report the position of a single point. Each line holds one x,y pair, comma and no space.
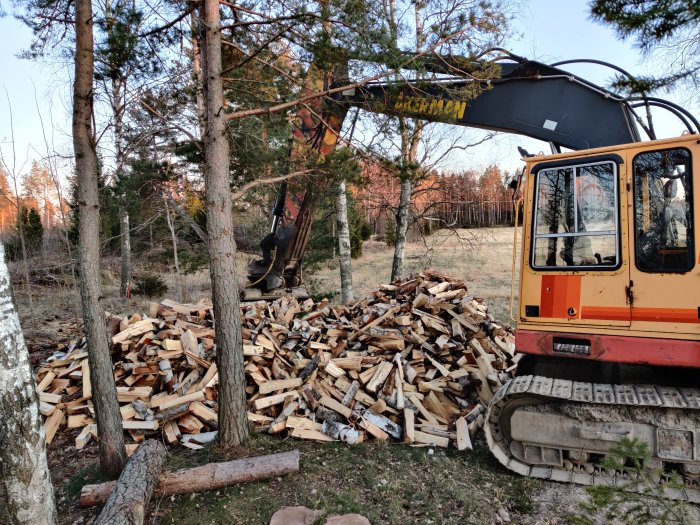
85,476
387,483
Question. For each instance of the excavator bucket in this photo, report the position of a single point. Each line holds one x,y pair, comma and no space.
255,294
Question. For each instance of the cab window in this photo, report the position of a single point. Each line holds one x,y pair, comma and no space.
576,217
663,211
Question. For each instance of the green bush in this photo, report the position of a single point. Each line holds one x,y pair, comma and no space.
390,235
365,231
150,285
193,258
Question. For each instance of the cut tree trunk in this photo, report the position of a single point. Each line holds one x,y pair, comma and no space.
233,422
207,477
25,484
111,437
132,491
125,237
344,245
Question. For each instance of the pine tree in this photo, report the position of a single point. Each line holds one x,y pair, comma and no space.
33,229
670,27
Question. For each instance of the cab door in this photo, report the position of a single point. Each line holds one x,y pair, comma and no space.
664,272
577,270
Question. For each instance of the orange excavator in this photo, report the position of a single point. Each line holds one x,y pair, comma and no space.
608,308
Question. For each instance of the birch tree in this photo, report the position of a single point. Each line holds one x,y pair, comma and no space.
233,422
125,242
25,483
341,210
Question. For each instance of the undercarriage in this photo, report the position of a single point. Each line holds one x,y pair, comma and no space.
561,430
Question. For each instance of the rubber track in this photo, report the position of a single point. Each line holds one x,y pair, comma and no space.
546,388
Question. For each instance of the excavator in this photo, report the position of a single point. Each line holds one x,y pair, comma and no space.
608,300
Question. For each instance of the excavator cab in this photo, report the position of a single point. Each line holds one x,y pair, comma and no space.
608,316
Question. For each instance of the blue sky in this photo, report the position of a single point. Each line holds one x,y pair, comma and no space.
549,30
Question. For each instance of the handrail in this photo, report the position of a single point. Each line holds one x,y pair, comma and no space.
515,252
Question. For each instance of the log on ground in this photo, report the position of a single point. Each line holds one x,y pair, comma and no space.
207,477
128,500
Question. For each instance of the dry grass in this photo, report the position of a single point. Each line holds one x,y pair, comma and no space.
482,256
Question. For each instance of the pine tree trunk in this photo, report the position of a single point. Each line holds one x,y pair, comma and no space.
344,245
111,438
233,423
125,237
25,484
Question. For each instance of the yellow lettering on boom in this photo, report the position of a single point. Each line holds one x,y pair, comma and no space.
447,109
435,107
399,103
460,109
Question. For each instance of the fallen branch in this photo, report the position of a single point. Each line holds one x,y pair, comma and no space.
207,477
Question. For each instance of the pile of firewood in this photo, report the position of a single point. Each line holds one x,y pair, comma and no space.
417,361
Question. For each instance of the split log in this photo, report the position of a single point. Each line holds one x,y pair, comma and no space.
341,432
207,477
132,491
386,424
464,441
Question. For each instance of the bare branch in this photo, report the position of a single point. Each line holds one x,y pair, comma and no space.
259,182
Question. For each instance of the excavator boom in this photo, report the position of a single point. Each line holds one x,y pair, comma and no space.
525,97
528,98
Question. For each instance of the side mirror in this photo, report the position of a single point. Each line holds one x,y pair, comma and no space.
670,188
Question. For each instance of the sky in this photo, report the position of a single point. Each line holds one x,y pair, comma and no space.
30,92
546,30
550,31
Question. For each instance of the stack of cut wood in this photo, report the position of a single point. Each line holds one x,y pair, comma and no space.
417,361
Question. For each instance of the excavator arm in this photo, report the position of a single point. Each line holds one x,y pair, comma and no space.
529,98
526,97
